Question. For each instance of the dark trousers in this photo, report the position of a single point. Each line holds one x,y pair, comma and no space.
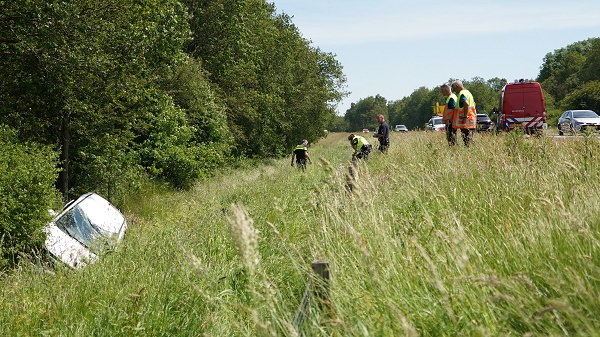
301,164
467,136
450,134
383,147
364,152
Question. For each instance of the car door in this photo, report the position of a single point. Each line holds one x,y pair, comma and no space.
564,122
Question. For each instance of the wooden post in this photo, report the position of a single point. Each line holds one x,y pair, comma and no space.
322,294
350,178
317,289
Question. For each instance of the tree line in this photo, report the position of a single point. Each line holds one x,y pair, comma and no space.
169,88
569,76
110,94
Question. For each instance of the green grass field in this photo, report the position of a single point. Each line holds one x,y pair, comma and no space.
499,239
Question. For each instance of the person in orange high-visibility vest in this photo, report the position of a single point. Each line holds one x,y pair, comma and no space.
466,117
450,109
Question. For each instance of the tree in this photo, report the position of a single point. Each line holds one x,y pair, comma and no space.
277,88
560,72
363,114
27,175
590,70
339,124
415,110
78,74
193,92
586,97
395,109
420,105
485,97
496,84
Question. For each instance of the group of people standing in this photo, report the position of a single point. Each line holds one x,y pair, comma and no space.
459,112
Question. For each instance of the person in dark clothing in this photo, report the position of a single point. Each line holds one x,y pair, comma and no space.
300,153
383,134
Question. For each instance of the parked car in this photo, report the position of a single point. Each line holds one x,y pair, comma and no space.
83,230
574,121
401,128
435,124
365,131
484,123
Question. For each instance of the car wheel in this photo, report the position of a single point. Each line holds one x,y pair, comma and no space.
560,133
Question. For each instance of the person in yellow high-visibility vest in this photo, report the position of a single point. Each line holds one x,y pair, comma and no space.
450,109
301,155
361,147
466,117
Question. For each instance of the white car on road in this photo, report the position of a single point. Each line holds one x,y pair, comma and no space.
435,124
401,128
573,121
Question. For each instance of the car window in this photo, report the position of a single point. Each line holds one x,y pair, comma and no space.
85,228
89,223
584,114
78,225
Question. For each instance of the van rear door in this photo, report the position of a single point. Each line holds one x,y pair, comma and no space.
523,105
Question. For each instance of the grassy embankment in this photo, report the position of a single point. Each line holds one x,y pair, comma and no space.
497,239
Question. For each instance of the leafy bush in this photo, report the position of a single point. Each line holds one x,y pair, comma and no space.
27,176
585,97
168,151
108,166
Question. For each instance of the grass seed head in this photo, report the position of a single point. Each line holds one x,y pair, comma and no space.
245,237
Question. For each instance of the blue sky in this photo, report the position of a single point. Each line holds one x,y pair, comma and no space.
392,48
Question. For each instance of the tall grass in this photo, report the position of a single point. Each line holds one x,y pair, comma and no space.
498,239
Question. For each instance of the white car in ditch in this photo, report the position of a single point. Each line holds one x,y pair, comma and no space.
84,229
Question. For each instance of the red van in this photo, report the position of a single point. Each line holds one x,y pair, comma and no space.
522,106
